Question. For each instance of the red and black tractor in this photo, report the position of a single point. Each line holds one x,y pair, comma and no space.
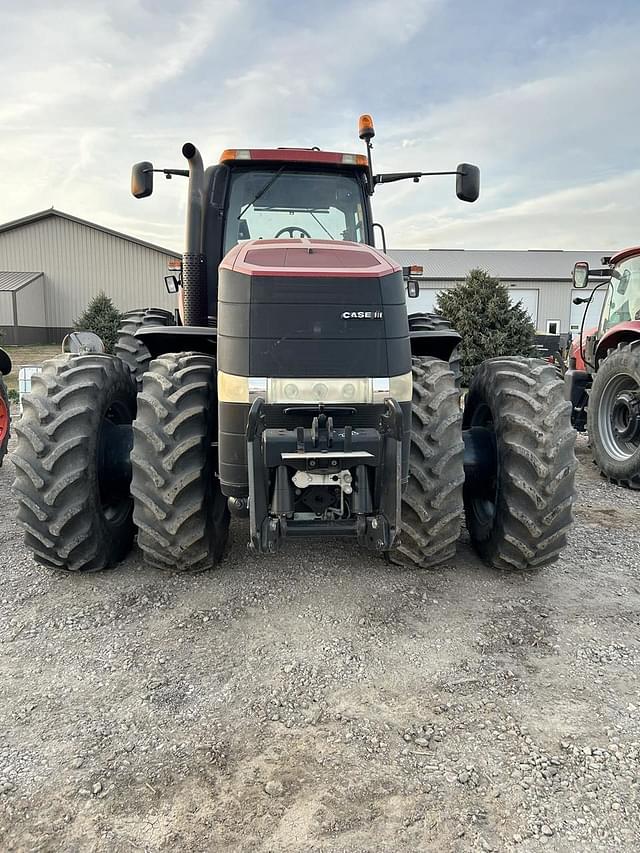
292,387
603,380
5,417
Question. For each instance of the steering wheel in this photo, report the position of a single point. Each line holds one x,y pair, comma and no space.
290,229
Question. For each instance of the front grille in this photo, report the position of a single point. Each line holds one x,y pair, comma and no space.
365,416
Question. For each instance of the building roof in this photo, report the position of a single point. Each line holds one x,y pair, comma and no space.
507,264
16,280
45,214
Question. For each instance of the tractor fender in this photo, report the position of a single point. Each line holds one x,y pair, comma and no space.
163,339
620,333
438,344
432,335
5,362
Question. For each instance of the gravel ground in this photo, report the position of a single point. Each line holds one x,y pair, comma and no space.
323,700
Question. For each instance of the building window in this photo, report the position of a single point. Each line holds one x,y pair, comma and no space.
553,327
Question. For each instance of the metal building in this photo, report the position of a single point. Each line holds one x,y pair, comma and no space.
68,261
22,311
539,278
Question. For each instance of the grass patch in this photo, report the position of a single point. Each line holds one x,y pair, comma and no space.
21,356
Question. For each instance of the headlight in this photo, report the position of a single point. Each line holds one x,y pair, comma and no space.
319,390
243,389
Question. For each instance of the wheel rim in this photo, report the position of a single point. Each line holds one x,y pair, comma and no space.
484,499
115,439
619,417
4,420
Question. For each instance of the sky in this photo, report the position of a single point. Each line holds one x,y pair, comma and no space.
542,96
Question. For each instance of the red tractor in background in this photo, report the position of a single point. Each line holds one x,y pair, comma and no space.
603,380
5,420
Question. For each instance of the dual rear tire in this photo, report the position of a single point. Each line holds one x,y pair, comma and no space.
518,509
130,349
77,502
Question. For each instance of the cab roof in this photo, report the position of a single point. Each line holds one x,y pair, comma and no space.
293,155
624,254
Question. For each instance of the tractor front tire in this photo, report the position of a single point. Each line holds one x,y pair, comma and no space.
5,420
72,463
432,505
181,514
519,511
132,351
613,416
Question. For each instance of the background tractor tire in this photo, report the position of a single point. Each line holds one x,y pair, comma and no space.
5,420
181,514
519,514
435,323
72,462
128,348
613,416
432,505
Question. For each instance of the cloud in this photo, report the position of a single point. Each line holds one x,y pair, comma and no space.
604,213
539,98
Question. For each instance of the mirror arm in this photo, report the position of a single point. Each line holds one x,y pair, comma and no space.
169,172
404,176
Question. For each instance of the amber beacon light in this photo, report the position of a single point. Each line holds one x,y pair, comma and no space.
365,127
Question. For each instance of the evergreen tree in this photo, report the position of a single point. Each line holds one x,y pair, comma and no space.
101,317
481,310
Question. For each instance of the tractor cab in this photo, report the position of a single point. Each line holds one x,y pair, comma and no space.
275,193
620,315
313,194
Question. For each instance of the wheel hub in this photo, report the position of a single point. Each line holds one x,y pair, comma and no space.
625,416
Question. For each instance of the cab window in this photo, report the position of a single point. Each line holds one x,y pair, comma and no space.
623,299
270,203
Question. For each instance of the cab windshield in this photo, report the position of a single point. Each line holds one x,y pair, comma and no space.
277,203
624,294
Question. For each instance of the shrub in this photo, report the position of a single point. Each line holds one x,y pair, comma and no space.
490,323
101,317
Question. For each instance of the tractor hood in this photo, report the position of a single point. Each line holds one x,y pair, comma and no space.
311,308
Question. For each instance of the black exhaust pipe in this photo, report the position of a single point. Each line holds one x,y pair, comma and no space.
194,263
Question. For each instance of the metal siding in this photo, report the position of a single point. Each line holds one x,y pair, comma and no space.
6,308
30,304
554,297
79,261
508,263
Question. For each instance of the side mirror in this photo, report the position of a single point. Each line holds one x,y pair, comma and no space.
142,179
413,288
623,283
580,277
467,182
171,283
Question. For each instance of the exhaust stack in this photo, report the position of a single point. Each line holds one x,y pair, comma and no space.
194,263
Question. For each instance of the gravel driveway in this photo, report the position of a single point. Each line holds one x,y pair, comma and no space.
323,700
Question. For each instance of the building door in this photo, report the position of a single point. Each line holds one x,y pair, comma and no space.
529,300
